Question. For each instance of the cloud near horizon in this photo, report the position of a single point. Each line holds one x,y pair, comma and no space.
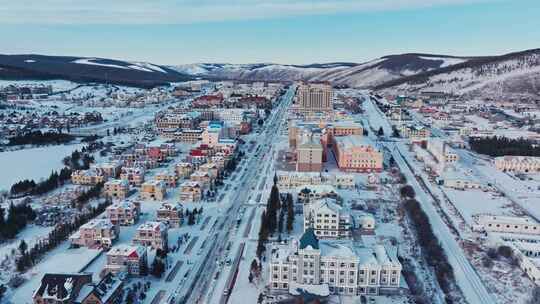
130,12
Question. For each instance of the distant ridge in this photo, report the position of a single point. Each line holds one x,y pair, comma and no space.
85,69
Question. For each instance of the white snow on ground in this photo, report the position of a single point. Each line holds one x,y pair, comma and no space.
90,62
446,60
59,260
149,66
136,67
58,85
35,163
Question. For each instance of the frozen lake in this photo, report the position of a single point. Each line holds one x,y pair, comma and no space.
35,163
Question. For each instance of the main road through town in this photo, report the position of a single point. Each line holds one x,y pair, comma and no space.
466,276
199,279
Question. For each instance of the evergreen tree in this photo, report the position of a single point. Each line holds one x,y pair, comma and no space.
380,132
290,213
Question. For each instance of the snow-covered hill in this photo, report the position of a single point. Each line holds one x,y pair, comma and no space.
364,75
512,75
87,69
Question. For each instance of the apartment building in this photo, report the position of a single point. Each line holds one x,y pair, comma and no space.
128,259
202,178
340,267
441,152
327,219
213,133
210,168
117,188
134,175
109,169
357,154
170,179
191,191
518,164
152,234
124,213
88,177
309,155
153,190
416,133
171,214
95,234
314,97
184,169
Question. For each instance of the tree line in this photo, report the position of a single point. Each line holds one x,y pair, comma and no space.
29,257
17,218
277,216
500,146
76,161
40,138
433,251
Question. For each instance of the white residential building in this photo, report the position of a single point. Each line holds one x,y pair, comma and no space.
327,219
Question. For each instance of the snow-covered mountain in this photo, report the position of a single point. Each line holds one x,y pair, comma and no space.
513,75
364,75
87,69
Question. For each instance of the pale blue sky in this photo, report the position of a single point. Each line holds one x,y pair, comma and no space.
280,31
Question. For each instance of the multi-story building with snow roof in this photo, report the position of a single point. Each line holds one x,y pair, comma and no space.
415,132
508,224
341,267
153,190
210,168
201,177
128,259
87,177
191,191
357,154
169,178
117,188
134,175
441,152
171,214
153,234
184,169
310,152
314,97
327,219
110,169
518,164
96,233
124,213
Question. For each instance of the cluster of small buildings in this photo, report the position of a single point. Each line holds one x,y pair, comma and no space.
19,122
521,234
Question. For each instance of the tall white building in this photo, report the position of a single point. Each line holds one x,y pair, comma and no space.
339,266
327,219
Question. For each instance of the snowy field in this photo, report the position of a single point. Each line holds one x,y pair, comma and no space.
60,260
35,163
